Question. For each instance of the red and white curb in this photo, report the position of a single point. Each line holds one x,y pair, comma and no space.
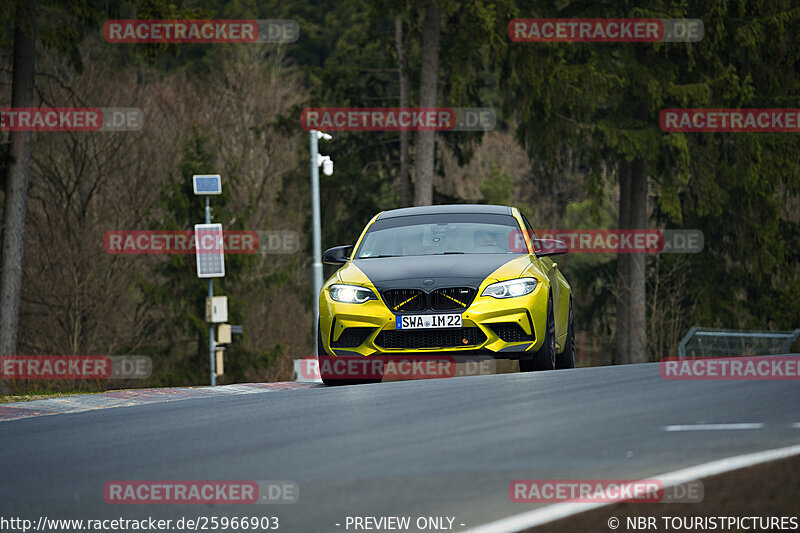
127,398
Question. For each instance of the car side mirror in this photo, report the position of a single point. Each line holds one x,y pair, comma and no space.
338,255
551,247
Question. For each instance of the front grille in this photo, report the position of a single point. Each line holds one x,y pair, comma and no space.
445,338
352,337
452,298
405,300
511,332
415,300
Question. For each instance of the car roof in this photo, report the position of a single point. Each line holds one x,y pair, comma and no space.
446,209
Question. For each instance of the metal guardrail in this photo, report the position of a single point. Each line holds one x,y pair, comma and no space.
705,342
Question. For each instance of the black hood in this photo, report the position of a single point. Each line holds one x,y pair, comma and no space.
464,270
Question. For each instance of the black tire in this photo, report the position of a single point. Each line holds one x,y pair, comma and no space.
545,358
566,359
332,382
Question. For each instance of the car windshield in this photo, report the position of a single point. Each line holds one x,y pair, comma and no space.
440,235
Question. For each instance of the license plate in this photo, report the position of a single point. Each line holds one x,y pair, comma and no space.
427,321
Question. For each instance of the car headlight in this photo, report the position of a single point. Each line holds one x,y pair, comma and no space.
511,288
351,294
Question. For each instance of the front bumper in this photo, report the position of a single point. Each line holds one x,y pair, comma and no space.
509,328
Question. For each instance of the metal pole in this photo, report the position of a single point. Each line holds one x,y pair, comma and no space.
211,326
317,239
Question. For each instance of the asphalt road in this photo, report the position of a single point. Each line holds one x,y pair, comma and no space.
447,447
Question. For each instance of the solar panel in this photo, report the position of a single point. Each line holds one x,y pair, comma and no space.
207,184
209,250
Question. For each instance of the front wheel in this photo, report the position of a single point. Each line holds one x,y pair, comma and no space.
545,358
566,359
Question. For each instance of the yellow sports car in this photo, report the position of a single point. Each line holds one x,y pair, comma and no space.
465,281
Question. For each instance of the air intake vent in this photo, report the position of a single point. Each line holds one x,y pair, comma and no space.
511,332
446,338
352,338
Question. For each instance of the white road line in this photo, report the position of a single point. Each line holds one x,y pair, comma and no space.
712,427
557,511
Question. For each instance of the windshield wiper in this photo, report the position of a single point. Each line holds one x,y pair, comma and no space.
381,255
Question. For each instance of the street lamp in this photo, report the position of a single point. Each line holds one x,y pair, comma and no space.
326,162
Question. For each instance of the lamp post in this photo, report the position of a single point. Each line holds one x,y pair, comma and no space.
326,162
